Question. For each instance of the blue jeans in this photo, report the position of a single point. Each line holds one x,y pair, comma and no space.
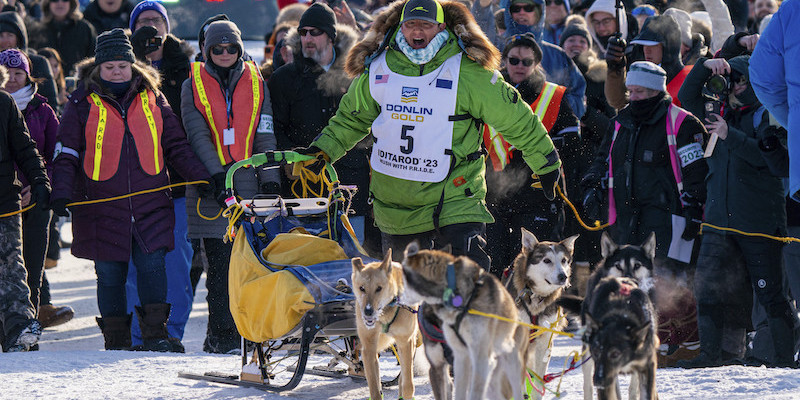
111,276
179,285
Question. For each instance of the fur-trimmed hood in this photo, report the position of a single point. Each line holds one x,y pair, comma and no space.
458,19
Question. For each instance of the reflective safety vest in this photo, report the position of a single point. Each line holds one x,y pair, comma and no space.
105,132
675,117
241,113
546,107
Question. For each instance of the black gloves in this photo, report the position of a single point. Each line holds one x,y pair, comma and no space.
313,151
694,217
40,194
220,194
615,54
768,138
549,182
592,203
59,206
207,189
145,41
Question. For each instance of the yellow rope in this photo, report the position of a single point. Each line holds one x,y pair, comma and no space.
597,225
203,216
18,212
124,196
764,235
501,318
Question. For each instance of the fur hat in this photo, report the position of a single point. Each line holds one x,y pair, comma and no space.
113,45
147,5
13,58
221,32
319,16
647,74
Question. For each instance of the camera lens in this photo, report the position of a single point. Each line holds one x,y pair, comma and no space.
717,84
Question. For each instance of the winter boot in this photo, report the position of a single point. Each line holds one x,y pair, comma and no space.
710,329
50,315
116,332
782,326
24,338
153,322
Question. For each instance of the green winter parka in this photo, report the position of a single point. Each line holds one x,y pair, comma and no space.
403,207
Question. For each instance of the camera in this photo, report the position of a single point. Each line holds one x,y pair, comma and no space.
152,44
718,85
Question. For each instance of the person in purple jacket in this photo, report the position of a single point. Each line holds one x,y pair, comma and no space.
117,133
42,126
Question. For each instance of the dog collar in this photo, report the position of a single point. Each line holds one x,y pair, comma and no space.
451,296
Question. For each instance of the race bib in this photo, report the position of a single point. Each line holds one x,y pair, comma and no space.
690,153
265,124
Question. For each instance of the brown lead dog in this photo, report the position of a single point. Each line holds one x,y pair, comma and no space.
381,321
482,346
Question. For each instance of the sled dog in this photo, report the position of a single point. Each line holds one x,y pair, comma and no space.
381,320
481,346
629,261
535,280
622,339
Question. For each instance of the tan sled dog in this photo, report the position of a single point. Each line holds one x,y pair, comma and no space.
380,321
482,346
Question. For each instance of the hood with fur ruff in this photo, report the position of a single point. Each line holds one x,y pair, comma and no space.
335,81
459,21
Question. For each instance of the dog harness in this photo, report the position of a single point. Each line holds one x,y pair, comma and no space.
522,299
675,117
232,117
105,130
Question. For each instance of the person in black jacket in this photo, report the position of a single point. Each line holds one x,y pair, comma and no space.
306,93
105,15
19,330
12,23
64,29
743,194
510,197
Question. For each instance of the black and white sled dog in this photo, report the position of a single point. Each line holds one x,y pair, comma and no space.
619,261
539,274
621,336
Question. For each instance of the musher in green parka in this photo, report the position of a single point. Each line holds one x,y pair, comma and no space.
426,83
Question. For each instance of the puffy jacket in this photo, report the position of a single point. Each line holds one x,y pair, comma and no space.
775,57
105,231
406,207
645,191
43,127
73,38
246,182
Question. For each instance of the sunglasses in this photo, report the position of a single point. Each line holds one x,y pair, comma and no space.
556,2
218,50
59,1
313,31
519,7
525,61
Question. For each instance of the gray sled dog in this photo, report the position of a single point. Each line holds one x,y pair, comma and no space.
629,261
380,320
621,335
481,346
535,280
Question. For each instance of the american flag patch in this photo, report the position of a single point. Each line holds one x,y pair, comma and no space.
382,78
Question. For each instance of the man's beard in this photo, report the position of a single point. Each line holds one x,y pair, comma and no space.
316,54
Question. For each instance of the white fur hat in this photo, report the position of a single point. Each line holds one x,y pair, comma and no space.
684,22
647,74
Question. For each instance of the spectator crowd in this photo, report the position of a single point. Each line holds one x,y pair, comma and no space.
648,115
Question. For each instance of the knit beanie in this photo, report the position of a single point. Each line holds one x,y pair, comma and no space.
319,16
13,58
222,32
145,6
113,45
576,29
647,74
201,36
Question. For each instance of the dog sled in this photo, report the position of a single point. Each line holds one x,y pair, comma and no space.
289,281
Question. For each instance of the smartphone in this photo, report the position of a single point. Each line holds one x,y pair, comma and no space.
153,44
712,107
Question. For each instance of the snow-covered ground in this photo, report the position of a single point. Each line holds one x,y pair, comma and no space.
72,365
